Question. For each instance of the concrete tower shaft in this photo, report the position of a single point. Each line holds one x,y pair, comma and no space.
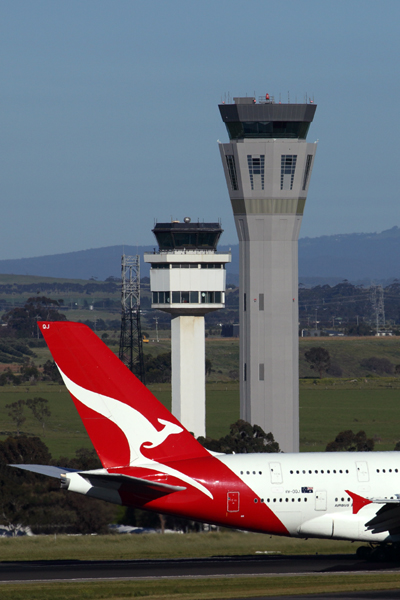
267,166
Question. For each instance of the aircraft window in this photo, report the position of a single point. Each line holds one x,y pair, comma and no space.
292,499
390,470
298,499
280,499
377,470
303,471
348,499
322,472
336,499
260,472
287,500
297,472
247,472
274,500
241,472
316,471
328,471
262,499
334,471
305,499
267,499
396,470
347,470
340,471
254,472
310,472
291,472
255,500
342,499
383,471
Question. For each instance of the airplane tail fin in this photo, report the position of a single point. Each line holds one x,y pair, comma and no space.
126,423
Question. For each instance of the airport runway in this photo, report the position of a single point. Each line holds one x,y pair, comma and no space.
210,567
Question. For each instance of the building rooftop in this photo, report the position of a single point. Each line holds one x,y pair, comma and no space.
246,118
179,235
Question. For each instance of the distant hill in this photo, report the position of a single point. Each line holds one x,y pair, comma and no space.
358,257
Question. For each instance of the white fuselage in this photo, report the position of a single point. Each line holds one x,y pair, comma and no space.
309,491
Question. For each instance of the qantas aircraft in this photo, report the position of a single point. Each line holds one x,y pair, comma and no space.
151,461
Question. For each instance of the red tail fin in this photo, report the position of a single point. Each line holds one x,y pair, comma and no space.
126,423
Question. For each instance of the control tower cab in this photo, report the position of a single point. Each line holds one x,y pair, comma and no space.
188,280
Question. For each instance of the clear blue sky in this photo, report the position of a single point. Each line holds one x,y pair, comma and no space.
109,115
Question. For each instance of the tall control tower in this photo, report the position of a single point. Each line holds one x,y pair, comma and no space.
187,280
267,165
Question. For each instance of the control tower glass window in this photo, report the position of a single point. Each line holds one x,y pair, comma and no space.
307,170
176,235
267,129
256,171
230,161
288,167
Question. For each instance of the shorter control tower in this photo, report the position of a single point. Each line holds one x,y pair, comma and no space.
187,280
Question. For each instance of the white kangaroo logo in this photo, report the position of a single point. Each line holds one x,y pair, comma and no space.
160,436
137,429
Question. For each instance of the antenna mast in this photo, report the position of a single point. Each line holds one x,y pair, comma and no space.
131,342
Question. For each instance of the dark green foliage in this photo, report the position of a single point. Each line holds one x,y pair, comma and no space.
51,372
23,321
40,409
243,438
318,358
9,377
361,329
158,368
29,372
37,501
380,366
347,441
16,413
12,351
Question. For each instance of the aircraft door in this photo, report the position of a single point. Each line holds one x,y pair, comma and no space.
320,500
362,471
233,502
275,472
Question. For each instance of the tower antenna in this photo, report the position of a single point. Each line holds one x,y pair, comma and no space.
131,342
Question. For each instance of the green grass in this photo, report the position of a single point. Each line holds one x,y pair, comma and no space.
153,546
349,352
202,589
327,406
325,412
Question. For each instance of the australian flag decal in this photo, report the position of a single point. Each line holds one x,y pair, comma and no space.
307,490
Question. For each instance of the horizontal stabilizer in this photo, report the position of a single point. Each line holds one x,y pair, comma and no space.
133,484
45,470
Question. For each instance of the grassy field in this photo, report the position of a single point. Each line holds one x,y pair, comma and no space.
327,406
153,546
349,352
203,589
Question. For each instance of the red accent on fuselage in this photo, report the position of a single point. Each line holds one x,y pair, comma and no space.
358,501
191,503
